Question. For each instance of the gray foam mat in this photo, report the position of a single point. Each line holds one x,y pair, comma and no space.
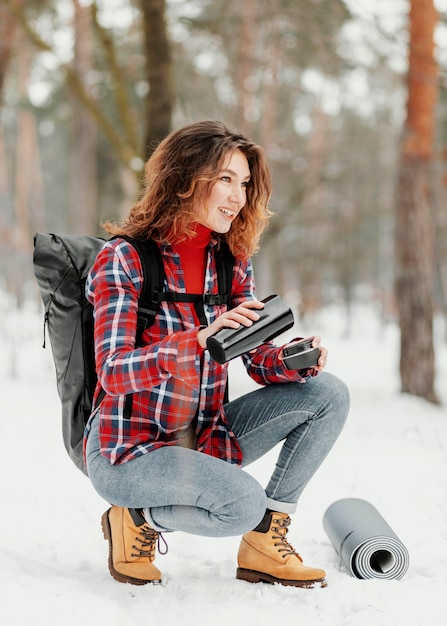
366,544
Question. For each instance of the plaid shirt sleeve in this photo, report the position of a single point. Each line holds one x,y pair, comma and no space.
266,368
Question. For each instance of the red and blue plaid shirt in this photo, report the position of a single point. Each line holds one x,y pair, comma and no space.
173,381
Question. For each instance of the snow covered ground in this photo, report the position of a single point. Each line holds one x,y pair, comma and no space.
392,453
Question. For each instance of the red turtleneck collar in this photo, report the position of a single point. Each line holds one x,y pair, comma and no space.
193,255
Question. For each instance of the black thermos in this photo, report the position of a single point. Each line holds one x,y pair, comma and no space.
275,318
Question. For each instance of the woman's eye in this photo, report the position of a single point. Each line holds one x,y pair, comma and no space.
226,179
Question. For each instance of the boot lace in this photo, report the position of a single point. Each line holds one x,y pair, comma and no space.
279,533
149,540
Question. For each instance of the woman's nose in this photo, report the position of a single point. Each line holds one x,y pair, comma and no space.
237,194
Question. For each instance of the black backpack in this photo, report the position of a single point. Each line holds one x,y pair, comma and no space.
61,265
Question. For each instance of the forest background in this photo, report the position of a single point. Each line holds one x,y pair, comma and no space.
348,97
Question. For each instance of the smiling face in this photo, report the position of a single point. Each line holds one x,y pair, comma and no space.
228,195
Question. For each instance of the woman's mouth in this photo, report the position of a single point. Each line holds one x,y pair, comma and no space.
227,212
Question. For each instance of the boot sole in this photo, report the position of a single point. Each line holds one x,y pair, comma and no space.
122,578
252,576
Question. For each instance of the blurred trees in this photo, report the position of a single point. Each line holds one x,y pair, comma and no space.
87,88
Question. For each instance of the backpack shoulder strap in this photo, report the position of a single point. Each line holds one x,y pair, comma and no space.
153,280
224,268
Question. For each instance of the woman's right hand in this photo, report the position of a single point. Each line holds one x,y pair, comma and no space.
244,314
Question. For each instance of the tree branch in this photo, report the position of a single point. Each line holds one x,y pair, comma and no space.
123,149
122,100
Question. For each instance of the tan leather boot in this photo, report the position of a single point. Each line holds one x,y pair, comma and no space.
265,555
132,544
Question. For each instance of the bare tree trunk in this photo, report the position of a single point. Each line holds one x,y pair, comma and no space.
28,181
312,244
414,224
271,97
160,99
268,125
83,211
7,31
244,89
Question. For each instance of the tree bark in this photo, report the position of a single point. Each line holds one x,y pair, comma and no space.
244,70
159,74
83,215
28,186
414,224
7,32
313,242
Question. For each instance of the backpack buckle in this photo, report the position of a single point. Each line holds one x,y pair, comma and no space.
212,298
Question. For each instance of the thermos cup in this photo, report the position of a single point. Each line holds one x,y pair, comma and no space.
301,355
275,318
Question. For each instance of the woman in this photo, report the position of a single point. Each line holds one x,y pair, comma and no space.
174,461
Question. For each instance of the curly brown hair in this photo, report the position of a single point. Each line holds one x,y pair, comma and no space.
178,178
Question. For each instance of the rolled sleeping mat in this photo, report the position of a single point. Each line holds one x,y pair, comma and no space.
366,544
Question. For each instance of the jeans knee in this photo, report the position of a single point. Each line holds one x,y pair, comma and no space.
250,506
341,398
337,404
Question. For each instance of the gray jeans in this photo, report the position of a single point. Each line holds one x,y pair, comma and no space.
182,489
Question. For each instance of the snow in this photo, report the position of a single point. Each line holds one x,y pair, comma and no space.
392,453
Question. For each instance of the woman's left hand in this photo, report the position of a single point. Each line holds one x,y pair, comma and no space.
322,361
